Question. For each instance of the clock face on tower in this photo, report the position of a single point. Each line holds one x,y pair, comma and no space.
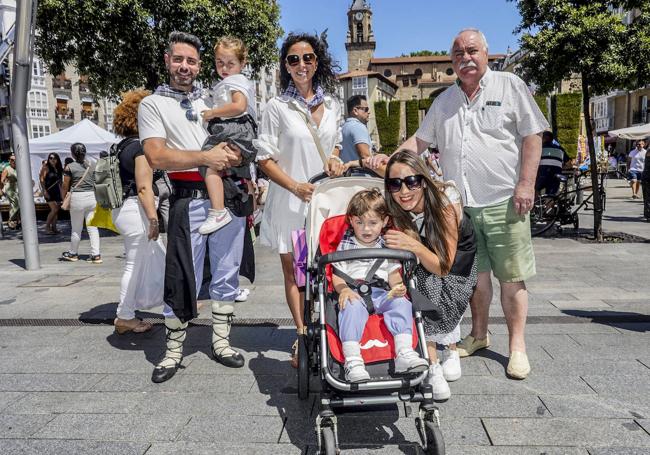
358,16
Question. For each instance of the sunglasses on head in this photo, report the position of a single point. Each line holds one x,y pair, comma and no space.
412,182
190,113
294,59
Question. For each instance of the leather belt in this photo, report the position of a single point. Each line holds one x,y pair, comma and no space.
190,193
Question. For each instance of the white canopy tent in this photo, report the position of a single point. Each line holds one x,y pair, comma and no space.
92,136
633,132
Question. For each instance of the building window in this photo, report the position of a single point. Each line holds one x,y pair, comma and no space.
405,82
414,81
38,74
388,73
359,32
37,104
449,71
360,86
40,130
418,72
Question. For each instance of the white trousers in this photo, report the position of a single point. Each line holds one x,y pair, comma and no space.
132,223
82,206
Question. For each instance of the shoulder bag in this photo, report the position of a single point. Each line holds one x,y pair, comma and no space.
65,205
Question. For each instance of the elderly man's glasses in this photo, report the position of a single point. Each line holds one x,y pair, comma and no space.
190,113
294,59
412,182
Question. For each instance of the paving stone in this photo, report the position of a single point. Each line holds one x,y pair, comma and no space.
6,398
54,447
619,384
76,403
32,336
645,423
566,432
374,450
22,426
533,385
618,451
116,427
505,450
48,382
208,448
597,406
222,384
549,329
586,367
257,362
492,406
252,429
579,304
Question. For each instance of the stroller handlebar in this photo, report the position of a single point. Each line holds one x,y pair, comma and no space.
367,253
351,172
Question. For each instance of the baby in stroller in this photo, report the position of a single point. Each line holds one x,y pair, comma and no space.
366,286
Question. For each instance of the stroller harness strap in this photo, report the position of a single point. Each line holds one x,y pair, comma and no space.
364,287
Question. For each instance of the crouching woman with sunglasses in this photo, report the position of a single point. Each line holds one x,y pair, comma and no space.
429,222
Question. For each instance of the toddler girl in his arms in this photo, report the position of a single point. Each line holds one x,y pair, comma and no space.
367,215
232,121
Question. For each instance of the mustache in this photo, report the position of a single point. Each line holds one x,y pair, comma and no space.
468,64
374,344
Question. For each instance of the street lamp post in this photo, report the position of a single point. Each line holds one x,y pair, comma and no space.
25,17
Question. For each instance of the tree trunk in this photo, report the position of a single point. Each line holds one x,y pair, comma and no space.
598,206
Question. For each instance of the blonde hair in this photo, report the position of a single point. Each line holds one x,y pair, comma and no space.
234,44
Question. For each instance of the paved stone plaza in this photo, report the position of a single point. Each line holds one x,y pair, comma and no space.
78,388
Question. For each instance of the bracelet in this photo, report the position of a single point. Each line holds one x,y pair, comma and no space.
337,158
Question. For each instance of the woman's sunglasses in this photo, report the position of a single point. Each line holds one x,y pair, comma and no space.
190,113
309,59
412,182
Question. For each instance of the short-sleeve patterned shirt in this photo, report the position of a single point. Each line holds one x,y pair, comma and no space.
480,140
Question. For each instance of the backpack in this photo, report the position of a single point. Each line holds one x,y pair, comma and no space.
108,184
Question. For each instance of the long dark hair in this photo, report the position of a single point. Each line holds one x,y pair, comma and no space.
78,152
325,74
58,167
436,208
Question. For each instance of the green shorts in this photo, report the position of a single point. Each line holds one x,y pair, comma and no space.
504,245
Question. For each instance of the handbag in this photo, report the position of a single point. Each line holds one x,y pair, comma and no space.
102,218
65,205
299,242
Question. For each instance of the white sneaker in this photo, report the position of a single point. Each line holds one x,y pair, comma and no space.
450,361
441,391
408,361
242,295
216,220
355,370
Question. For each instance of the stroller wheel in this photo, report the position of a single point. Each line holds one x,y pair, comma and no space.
328,444
435,441
303,368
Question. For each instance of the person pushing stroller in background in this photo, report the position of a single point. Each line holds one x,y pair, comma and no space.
366,284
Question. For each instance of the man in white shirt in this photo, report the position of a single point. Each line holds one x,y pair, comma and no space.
488,128
635,162
172,134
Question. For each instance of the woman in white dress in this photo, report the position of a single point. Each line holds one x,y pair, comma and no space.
288,152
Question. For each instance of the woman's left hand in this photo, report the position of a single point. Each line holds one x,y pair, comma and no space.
401,241
335,167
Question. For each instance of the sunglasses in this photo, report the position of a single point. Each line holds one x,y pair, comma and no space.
190,113
412,182
309,59
365,109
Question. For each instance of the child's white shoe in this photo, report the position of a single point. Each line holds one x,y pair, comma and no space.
355,370
216,220
441,391
407,360
450,361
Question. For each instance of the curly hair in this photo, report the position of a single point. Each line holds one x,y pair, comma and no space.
326,69
125,115
233,44
436,229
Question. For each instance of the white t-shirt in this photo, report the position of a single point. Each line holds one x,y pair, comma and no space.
358,270
222,94
480,140
637,160
163,117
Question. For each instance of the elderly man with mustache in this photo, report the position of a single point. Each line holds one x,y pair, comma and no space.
488,128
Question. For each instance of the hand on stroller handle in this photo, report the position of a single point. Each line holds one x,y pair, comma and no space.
355,171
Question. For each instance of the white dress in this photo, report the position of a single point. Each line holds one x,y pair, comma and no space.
285,138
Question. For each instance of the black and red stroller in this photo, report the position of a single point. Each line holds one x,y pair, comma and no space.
320,350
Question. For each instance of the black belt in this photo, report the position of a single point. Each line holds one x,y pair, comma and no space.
181,193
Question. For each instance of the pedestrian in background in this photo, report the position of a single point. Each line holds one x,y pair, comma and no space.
356,144
645,183
635,165
79,180
9,186
136,219
51,179
299,137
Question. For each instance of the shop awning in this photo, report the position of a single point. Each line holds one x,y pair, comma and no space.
633,132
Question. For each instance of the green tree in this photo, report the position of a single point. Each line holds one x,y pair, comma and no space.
585,37
425,53
119,44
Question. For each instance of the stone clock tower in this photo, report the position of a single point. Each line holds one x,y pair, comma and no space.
360,42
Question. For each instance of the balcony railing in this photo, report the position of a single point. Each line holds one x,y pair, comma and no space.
62,84
640,116
65,114
90,115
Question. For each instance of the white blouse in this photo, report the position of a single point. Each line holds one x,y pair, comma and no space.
285,138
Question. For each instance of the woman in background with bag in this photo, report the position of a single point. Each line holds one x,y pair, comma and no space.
51,178
137,221
79,197
297,139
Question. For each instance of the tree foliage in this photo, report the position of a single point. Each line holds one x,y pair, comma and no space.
425,53
586,37
387,116
119,44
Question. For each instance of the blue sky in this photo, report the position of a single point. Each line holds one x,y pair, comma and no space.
403,26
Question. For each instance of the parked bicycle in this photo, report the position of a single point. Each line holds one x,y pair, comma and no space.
562,208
